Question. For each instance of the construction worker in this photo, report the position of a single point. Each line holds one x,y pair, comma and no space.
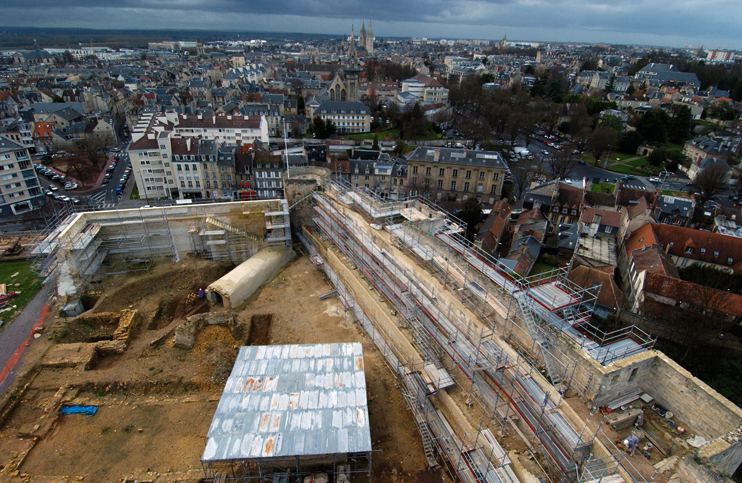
201,293
631,443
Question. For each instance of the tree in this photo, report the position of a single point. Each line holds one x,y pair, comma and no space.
471,213
515,123
737,187
629,142
376,143
601,140
657,157
680,124
300,105
399,147
630,91
652,126
710,182
92,149
609,120
561,163
522,177
80,169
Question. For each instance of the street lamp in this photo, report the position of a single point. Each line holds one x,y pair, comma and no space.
605,163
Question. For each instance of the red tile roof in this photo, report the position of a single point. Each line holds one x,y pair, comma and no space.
677,289
607,217
610,295
707,247
640,238
654,260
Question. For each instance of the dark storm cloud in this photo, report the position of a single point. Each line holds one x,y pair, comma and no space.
628,21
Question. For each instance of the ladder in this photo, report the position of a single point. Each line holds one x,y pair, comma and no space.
422,427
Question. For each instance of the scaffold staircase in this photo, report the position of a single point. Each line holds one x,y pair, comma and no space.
526,313
422,425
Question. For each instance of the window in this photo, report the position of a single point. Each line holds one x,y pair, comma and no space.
414,170
440,184
453,185
466,186
574,212
468,175
441,172
565,210
481,175
689,250
414,180
495,176
608,229
730,260
703,251
427,171
493,190
455,173
716,253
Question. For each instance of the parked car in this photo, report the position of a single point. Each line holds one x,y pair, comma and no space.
49,193
53,188
655,180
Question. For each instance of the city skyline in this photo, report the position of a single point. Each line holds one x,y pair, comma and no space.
587,21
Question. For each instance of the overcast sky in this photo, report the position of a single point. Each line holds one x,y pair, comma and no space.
715,23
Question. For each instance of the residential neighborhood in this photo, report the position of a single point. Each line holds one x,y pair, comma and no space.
539,244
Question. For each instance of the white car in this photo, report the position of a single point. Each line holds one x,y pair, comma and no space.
655,180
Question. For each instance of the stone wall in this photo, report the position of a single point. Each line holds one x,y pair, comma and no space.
704,410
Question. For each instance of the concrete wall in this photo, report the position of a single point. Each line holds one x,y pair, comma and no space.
236,286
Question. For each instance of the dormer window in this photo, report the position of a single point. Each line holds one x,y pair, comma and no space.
565,210
730,260
703,251
574,212
689,250
716,253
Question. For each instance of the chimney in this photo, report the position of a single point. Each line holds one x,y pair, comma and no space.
437,155
229,117
199,117
213,120
188,144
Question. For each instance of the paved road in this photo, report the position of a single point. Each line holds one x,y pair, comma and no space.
20,330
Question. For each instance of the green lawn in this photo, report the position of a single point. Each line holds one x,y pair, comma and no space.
134,192
25,281
679,194
540,267
602,187
640,162
389,134
624,169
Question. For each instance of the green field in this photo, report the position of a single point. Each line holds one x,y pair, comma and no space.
602,187
25,281
134,192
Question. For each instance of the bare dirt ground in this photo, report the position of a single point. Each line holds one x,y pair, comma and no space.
156,401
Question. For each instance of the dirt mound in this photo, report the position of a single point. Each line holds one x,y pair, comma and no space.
260,329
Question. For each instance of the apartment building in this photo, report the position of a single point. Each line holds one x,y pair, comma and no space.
348,117
426,89
450,174
20,190
224,128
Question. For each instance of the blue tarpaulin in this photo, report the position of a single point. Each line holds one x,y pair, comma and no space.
77,409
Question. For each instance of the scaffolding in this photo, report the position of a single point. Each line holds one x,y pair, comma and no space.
545,308
438,331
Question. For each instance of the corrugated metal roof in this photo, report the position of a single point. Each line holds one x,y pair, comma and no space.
292,400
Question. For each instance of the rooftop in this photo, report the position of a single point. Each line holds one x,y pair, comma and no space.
292,400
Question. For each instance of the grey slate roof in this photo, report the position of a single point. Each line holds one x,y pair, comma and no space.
466,157
292,400
343,107
8,145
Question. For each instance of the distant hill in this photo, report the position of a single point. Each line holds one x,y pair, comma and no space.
23,37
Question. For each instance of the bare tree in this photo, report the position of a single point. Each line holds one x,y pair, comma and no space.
711,182
601,140
92,148
737,187
561,162
79,168
524,174
515,123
